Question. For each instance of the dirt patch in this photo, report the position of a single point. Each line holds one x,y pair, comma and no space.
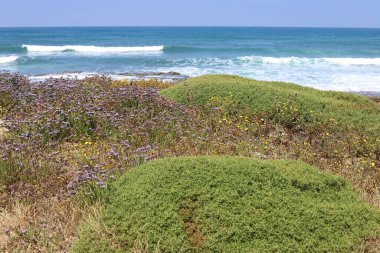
191,225
371,245
374,98
3,129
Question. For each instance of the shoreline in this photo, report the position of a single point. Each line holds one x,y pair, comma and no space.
167,77
170,76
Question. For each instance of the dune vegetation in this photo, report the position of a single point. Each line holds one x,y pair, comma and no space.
230,204
338,131
67,144
289,104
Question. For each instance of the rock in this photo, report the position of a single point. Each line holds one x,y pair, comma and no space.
174,73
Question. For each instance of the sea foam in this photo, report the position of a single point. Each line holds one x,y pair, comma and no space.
353,61
92,49
304,60
7,59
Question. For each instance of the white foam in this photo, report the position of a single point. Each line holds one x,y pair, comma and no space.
342,74
7,59
303,60
271,60
83,75
92,49
353,61
78,76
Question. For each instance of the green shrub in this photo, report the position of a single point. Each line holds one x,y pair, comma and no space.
229,204
287,103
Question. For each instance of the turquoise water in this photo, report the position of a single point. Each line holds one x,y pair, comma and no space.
333,59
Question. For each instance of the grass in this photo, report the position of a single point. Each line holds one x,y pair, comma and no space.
230,204
63,143
45,226
281,100
332,122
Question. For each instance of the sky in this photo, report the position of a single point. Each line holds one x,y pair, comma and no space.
289,13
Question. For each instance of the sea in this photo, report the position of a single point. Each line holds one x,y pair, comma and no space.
340,59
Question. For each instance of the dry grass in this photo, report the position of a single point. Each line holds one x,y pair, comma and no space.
13,223
3,130
47,226
370,246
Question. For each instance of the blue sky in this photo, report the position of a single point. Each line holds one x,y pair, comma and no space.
295,13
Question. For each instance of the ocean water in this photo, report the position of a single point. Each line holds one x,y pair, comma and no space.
324,58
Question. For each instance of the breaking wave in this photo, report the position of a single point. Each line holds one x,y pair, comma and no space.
92,49
8,59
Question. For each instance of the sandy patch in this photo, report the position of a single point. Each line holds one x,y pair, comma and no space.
3,129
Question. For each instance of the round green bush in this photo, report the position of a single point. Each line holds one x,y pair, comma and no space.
229,204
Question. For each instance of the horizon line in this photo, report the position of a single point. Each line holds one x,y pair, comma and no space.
189,26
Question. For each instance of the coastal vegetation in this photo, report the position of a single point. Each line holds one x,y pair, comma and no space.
69,146
229,204
289,104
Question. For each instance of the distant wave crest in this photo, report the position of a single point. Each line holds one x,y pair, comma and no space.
304,60
8,59
91,49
